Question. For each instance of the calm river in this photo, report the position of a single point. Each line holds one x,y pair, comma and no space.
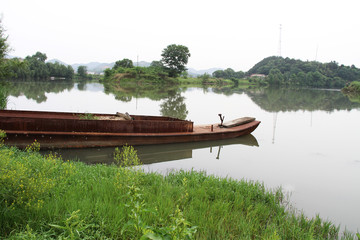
307,142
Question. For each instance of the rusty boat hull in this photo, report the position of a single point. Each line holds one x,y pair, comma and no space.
67,130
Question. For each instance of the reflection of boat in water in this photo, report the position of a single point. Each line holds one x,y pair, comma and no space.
75,130
154,153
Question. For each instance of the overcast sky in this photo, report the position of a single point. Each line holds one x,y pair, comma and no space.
222,33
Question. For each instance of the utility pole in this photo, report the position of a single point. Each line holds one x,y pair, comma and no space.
279,50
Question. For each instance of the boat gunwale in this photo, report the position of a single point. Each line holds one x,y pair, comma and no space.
76,115
196,131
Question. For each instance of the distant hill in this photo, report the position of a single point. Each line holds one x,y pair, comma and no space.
305,73
98,67
95,67
57,60
195,72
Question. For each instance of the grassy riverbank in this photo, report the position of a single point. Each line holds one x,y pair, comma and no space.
46,198
354,88
352,91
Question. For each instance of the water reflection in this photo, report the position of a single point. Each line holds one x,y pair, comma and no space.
269,99
36,90
153,153
174,106
126,92
282,100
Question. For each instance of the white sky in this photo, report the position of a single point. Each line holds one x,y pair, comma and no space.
226,33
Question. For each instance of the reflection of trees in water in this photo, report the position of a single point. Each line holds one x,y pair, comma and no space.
283,99
126,92
4,89
353,97
81,85
228,91
269,99
36,89
174,106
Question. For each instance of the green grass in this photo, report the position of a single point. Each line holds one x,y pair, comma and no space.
238,83
200,82
352,91
87,116
48,198
354,87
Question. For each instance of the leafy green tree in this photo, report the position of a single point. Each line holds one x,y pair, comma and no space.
82,71
37,66
4,49
69,72
156,64
228,73
205,77
239,74
60,71
39,56
108,72
125,63
218,74
275,77
34,67
17,69
174,58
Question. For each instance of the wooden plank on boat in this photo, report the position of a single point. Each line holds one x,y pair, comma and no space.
238,121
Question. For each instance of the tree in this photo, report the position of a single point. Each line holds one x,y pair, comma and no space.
125,63
205,77
229,73
156,64
275,77
81,71
219,74
4,49
39,56
37,66
174,58
69,72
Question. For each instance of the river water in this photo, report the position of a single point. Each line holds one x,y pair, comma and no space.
307,142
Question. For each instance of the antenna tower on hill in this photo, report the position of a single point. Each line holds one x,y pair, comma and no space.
279,53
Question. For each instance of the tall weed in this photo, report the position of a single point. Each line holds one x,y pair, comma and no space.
131,178
27,179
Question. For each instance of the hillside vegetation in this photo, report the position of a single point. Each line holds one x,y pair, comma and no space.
280,71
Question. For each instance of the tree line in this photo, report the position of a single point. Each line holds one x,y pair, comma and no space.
228,73
35,67
286,71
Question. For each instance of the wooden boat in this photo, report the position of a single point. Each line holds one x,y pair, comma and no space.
79,130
